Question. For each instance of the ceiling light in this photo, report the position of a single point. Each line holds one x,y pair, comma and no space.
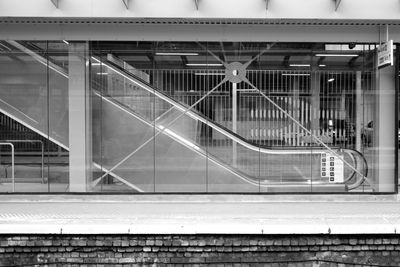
176,54
247,90
322,65
299,65
331,80
204,64
66,42
102,73
295,74
336,55
208,74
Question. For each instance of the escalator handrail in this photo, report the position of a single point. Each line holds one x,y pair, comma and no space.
228,133
201,117
233,136
256,181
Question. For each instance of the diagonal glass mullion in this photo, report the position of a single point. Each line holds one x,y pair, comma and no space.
95,182
306,130
245,65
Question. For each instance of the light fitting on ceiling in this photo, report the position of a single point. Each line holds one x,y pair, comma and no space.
336,55
295,74
208,74
299,65
204,64
176,54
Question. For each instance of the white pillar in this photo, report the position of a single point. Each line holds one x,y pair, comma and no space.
234,123
79,118
315,102
359,110
294,110
385,129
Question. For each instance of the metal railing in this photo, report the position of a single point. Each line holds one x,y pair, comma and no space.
42,152
12,162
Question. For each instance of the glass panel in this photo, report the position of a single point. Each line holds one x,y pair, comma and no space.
276,129
181,159
198,117
123,145
57,148
24,116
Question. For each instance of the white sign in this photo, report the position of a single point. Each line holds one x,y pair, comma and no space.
332,167
385,54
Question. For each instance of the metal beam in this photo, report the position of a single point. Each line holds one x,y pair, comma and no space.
337,3
55,3
126,3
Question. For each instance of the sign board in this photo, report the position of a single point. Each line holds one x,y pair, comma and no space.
332,167
385,54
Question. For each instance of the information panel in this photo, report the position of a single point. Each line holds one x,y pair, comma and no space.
385,54
332,167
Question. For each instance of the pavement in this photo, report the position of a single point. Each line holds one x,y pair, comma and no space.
199,214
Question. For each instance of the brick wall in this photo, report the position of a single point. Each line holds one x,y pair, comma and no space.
218,250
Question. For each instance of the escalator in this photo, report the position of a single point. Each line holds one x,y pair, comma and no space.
150,142
186,128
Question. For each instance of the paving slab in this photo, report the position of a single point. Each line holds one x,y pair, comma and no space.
197,217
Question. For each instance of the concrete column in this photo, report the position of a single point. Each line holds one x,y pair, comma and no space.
385,129
359,111
80,160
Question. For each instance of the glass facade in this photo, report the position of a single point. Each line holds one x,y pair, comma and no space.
228,117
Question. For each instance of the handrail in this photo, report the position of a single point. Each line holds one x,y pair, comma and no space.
39,58
200,118
220,129
360,181
240,174
195,115
32,141
12,163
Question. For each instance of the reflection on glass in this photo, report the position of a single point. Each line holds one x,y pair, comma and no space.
33,108
58,56
199,117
